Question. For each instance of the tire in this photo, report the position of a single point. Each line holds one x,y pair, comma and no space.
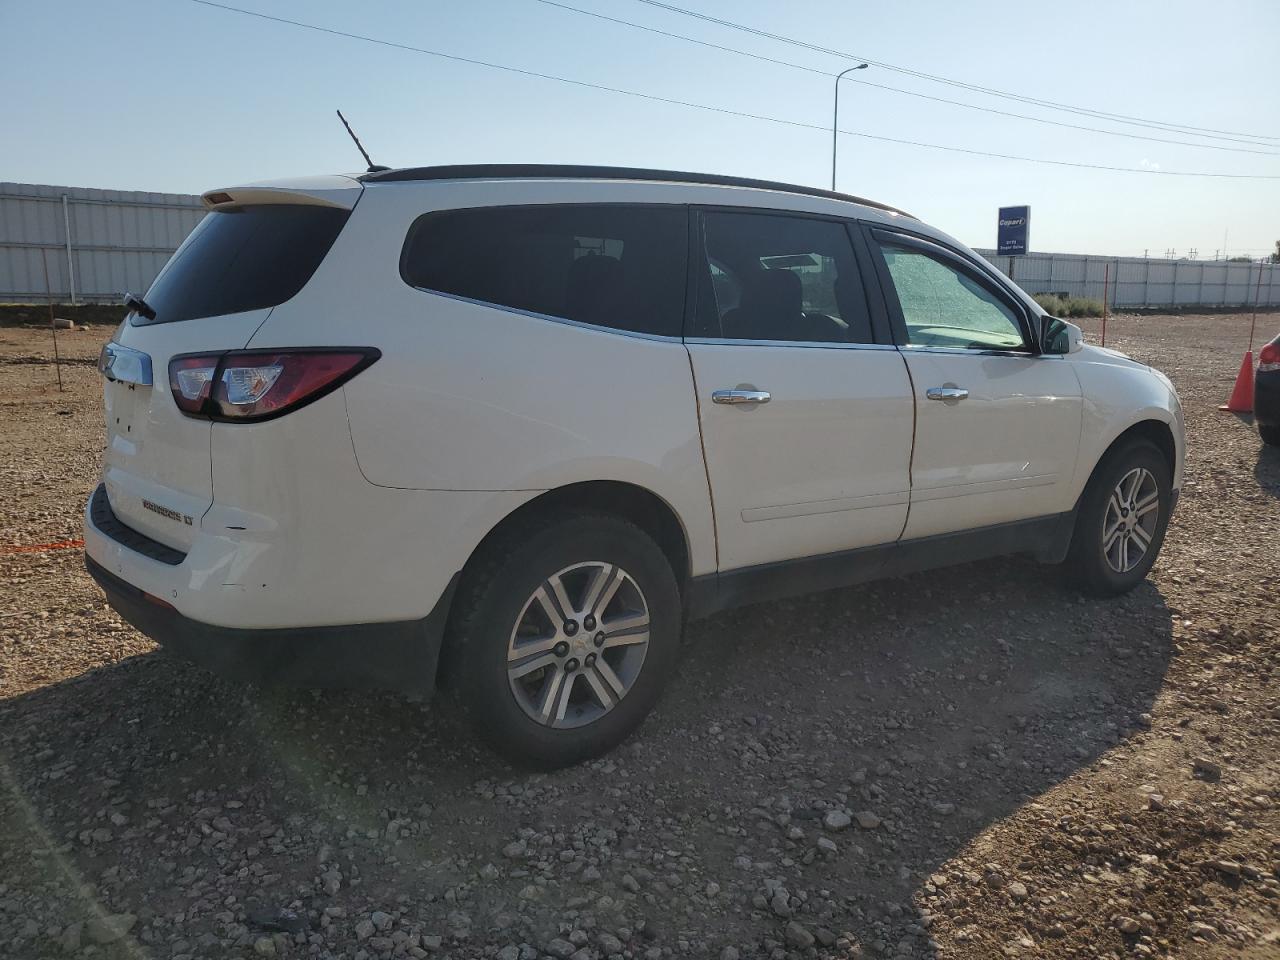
1270,434
504,616
1097,569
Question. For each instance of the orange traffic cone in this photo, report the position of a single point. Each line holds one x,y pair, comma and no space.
1242,394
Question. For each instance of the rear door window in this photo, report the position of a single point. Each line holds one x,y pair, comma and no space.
612,266
246,259
772,277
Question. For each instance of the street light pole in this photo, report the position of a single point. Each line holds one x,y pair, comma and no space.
835,116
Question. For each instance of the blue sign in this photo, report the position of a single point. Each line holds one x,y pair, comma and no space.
1014,231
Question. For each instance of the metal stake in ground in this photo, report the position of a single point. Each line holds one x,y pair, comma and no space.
53,327
1257,292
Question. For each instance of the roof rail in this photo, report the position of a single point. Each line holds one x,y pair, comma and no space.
526,171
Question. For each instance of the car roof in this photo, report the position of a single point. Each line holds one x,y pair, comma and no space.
528,171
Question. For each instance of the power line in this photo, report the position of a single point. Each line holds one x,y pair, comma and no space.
1010,156
1118,117
909,93
712,109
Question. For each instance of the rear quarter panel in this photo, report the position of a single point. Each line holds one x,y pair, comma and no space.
297,537
468,397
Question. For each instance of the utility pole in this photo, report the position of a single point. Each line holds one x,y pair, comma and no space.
835,117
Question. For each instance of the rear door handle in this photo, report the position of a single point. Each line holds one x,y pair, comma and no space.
740,396
946,393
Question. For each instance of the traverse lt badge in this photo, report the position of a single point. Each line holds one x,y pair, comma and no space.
166,512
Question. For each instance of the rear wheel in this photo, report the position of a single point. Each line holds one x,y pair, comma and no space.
564,637
1270,435
1122,519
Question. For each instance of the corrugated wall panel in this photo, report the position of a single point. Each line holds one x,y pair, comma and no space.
1139,282
120,239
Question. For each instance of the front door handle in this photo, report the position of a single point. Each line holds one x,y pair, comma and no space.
946,393
740,396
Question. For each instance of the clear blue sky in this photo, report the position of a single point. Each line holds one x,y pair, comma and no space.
173,96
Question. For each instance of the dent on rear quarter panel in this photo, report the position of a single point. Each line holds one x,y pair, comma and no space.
304,540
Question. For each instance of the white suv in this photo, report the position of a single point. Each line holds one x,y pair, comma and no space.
509,425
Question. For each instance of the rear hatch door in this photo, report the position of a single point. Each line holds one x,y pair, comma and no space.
156,465
256,249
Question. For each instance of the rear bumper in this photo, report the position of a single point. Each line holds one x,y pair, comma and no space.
400,656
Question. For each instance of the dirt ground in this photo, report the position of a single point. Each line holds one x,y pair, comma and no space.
1028,773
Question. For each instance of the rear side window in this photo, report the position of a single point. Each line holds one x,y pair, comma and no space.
613,266
246,259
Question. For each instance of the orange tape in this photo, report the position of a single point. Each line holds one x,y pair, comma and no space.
41,547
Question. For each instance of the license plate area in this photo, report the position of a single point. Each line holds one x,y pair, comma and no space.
126,405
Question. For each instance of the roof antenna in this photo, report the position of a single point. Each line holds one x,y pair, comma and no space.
373,167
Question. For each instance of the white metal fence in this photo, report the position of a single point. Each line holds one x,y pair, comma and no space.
98,244
1142,282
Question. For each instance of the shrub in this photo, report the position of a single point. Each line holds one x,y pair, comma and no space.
1051,304
1069,306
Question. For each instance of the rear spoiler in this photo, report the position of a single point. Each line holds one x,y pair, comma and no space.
330,191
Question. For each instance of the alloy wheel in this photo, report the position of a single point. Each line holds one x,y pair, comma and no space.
578,644
1129,524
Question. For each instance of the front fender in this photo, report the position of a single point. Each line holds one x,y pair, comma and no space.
1118,395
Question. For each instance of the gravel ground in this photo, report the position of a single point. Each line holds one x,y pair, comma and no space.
969,763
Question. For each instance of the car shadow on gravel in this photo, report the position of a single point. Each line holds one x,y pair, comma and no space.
926,708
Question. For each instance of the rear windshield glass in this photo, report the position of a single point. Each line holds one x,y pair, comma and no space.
609,265
246,259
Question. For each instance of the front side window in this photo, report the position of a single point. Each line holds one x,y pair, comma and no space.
613,266
773,277
943,306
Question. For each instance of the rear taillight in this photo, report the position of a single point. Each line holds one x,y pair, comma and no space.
1269,358
251,385
190,379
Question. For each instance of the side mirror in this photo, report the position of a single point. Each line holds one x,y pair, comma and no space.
1059,336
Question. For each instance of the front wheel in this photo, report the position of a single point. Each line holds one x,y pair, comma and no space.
1270,435
565,635
1122,520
